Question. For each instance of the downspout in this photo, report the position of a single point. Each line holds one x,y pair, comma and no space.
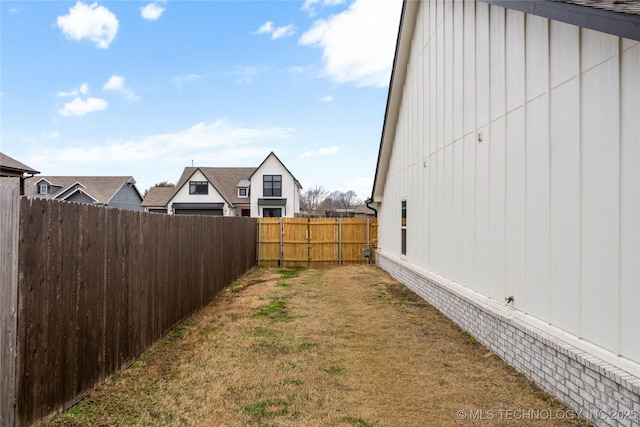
367,202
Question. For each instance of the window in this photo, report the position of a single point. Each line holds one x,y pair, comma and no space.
198,187
246,212
272,212
272,185
242,192
43,189
403,229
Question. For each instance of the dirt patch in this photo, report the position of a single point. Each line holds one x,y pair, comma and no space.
343,346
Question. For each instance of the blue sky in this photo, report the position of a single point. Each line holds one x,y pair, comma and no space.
145,88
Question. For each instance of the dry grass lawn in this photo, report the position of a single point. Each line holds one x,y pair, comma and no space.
341,346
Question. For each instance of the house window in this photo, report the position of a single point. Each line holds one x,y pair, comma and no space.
246,212
242,192
43,189
198,187
403,229
272,185
272,212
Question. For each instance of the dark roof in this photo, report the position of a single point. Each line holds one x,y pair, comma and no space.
224,180
158,196
617,17
100,188
621,6
10,164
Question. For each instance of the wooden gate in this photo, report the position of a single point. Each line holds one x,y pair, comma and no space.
307,242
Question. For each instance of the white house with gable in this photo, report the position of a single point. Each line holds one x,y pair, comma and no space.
508,185
269,190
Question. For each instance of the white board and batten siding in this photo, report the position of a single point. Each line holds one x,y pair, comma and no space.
290,191
517,149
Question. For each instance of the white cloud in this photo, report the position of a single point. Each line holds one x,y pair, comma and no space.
207,140
92,22
152,11
359,43
82,89
276,32
321,152
310,5
287,30
80,107
179,81
327,98
116,83
267,27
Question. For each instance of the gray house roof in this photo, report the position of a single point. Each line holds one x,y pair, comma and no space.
158,196
99,188
224,180
12,167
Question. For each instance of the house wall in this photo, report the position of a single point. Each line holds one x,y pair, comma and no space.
272,166
516,149
183,196
127,198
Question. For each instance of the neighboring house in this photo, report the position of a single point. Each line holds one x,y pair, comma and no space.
156,199
11,168
508,185
269,190
113,191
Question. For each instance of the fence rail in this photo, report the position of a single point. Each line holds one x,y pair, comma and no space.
98,286
299,242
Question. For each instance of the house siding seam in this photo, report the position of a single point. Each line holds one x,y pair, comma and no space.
596,390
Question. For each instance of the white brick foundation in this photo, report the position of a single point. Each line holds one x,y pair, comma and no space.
596,390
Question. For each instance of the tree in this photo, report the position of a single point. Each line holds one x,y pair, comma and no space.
340,200
310,199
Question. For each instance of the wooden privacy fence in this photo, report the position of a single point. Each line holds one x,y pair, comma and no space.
306,242
95,288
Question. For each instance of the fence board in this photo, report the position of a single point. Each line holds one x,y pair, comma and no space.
97,286
291,242
9,222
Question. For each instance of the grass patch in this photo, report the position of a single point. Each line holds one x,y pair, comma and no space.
283,284
306,346
290,272
259,331
275,310
268,408
333,369
291,381
356,422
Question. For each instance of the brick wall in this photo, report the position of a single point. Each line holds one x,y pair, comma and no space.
596,390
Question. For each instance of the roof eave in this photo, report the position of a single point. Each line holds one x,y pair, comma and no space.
394,97
617,23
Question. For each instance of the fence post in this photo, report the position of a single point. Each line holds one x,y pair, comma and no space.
259,231
9,229
340,240
281,243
